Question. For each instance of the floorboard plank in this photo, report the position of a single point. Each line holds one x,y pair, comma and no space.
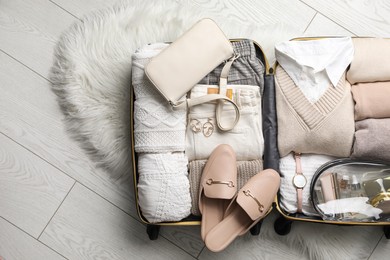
361,17
88,227
186,237
322,26
30,115
264,12
31,190
15,244
29,30
81,8
382,250
272,21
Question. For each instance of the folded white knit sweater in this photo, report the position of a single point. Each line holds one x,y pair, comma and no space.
163,186
157,127
288,194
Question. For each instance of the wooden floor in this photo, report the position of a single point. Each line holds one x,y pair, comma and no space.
54,204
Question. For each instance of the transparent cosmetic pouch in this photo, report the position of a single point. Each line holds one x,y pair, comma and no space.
349,190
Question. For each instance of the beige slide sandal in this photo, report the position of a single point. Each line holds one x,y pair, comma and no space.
248,207
218,185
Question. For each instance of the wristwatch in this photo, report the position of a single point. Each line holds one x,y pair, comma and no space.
299,180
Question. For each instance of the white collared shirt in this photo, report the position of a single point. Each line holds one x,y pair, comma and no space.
315,64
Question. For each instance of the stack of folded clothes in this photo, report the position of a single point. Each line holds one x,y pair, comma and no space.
326,110
159,133
314,111
369,75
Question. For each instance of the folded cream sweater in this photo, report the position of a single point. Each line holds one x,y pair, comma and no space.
371,100
325,127
371,61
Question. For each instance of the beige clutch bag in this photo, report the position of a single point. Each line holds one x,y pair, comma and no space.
180,66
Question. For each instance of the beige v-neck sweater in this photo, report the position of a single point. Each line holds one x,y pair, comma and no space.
325,127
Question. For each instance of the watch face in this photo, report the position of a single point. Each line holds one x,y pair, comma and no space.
299,181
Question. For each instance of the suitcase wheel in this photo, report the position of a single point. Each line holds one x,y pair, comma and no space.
255,230
153,231
282,226
386,230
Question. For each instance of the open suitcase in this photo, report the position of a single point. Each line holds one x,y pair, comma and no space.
270,160
269,135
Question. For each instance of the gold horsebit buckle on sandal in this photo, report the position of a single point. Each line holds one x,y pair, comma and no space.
230,184
248,193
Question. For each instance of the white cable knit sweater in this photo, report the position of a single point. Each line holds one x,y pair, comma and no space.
157,127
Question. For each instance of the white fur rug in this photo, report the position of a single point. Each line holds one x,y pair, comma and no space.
91,76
